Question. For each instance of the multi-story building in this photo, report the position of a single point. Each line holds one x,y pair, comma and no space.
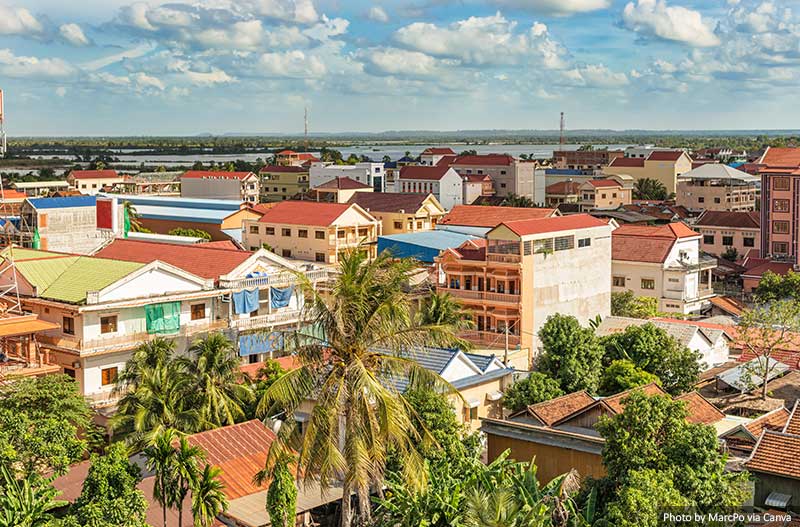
562,192
780,204
480,219
723,230
714,186
290,158
477,186
432,156
209,184
509,174
440,180
371,174
604,194
93,181
584,160
337,190
280,182
662,165
401,213
526,270
313,231
663,262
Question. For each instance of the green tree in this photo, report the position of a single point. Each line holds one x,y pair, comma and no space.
160,458
623,375
133,215
208,497
26,501
186,472
773,286
730,254
646,493
365,334
649,189
535,388
515,200
265,377
156,353
194,233
282,491
626,304
442,309
572,354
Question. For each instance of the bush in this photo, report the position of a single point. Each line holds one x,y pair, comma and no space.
537,387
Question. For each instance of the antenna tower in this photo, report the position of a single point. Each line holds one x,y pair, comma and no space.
561,136
9,292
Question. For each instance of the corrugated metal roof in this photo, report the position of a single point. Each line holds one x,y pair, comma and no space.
63,203
435,239
194,215
738,377
178,202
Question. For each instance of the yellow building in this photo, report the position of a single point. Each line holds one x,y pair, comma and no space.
280,183
604,194
662,165
313,231
93,181
401,213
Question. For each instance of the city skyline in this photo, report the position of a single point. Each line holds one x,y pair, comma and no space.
178,68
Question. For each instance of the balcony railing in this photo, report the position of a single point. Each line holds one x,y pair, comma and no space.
490,339
263,321
101,399
702,263
468,294
279,279
504,258
702,294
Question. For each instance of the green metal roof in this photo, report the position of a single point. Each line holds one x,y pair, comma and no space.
21,253
41,273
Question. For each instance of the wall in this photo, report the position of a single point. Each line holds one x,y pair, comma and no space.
72,230
767,483
164,226
738,234
716,197
278,186
486,408
211,188
770,214
93,186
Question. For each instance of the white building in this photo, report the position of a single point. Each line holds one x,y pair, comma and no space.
371,174
432,156
440,180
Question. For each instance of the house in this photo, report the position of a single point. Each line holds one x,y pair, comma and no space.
279,182
663,262
714,186
209,184
479,219
562,192
290,158
741,440
76,224
432,156
337,190
586,161
313,231
509,174
561,435
526,270
604,194
780,183
93,181
440,180
477,187
662,165
401,213
11,201
725,230
368,173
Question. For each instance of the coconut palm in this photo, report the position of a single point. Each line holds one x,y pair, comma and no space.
218,389
151,354
133,216
364,342
441,308
282,492
161,459
186,472
208,497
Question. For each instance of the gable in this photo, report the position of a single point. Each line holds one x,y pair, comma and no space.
458,368
155,279
354,215
262,261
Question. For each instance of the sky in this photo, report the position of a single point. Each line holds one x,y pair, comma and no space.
128,67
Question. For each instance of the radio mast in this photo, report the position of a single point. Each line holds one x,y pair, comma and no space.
561,136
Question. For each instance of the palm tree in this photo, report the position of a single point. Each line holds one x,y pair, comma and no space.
365,339
186,471
133,215
217,387
282,491
26,502
152,354
161,459
649,189
208,497
440,308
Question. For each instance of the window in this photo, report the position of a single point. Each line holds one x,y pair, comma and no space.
781,183
470,414
602,195
108,376
564,243
69,372
527,248
286,253
618,281
701,199
780,227
648,283
319,257
320,235
68,325
363,232
302,233
717,200
398,225
613,194
502,172
254,229
480,171
749,242
198,311
419,225
674,280
283,189
286,232
584,242
780,248
727,241
708,239
780,205
270,230
502,185
340,234
543,246
108,324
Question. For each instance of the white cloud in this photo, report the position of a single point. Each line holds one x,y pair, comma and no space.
291,64
300,11
33,67
240,35
208,78
144,81
393,61
110,79
73,34
61,91
558,7
18,21
132,53
655,18
595,76
378,14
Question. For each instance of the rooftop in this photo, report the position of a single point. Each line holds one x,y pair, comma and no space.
484,160
555,224
548,412
490,216
665,155
406,203
781,157
627,162
438,151
648,244
730,219
776,453
718,171
563,188
601,183
283,169
63,203
343,183
93,174
431,173
305,213
215,174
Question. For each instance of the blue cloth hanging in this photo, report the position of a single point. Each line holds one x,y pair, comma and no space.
280,297
245,301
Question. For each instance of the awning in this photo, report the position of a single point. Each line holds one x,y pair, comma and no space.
494,396
254,343
778,500
473,403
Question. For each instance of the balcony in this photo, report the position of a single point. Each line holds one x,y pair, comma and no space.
504,258
279,279
703,263
103,399
490,339
263,321
488,296
702,294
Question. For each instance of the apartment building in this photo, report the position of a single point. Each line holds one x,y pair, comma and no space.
722,230
93,181
440,180
313,231
562,192
604,194
401,213
714,186
584,160
432,156
209,184
509,174
662,165
290,158
368,173
523,271
663,262
780,205
279,183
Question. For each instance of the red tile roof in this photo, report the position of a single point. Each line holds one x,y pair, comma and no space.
730,219
728,304
434,173
222,244
304,213
389,201
616,404
212,174
93,174
563,188
665,155
776,453
240,450
548,412
774,420
262,208
198,259
484,160
644,243
489,216
343,183
282,169
556,224
472,250
477,178
627,162
757,271
11,194
285,153
793,423
781,157
599,183
438,151
700,410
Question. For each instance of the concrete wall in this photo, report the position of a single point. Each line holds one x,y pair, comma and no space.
73,230
716,197
738,235
219,188
164,226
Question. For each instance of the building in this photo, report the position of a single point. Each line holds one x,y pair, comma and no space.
11,201
313,231
604,194
662,165
663,262
76,224
476,187
526,270
714,186
509,174
36,189
780,184
401,213
280,182
208,184
440,180
368,173
338,190
432,156
723,230
562,192
424,246
584,160
480,219
20,354
290,158
93,181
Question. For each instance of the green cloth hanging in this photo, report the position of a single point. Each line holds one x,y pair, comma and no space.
126,222
37,240
163,318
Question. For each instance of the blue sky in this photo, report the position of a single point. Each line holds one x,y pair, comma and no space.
122,67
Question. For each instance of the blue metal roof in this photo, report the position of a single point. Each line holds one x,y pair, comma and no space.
179,202
481,361
63,203
423,246
188,215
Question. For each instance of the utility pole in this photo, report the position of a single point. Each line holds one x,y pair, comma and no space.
561,136
305,128
505,353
